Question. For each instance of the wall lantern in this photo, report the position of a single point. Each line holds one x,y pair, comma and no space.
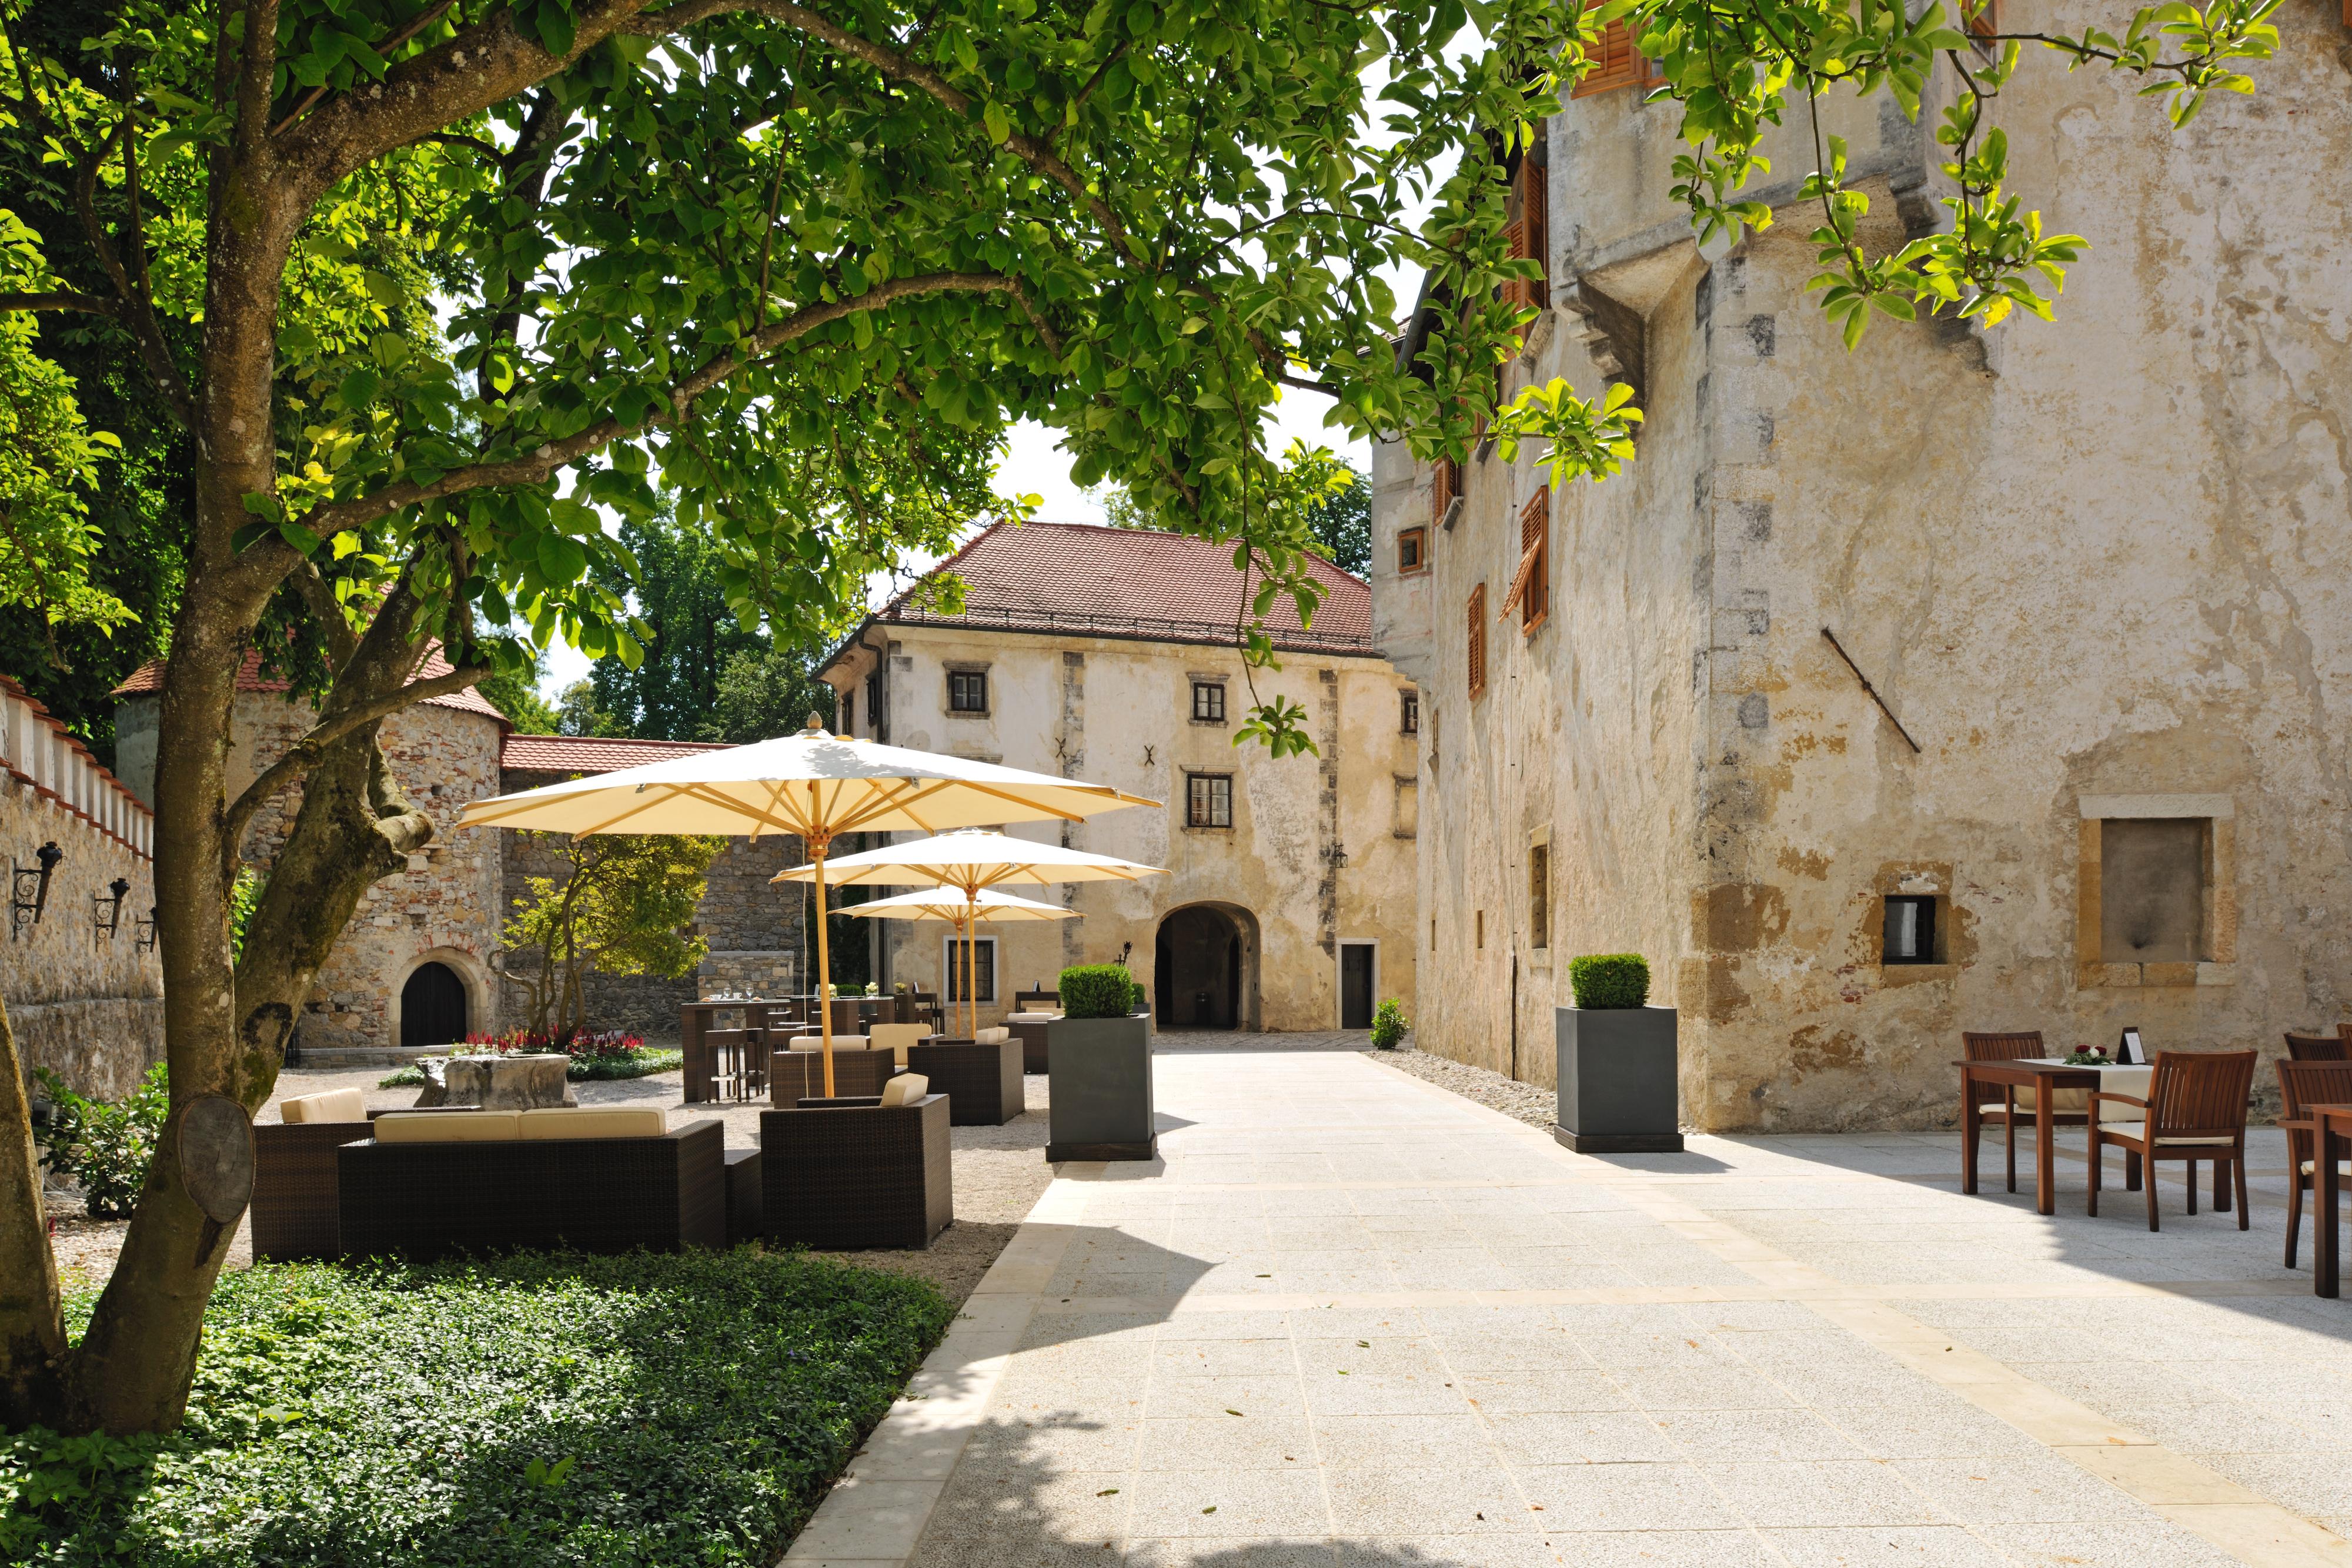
105,913
143,930
29,889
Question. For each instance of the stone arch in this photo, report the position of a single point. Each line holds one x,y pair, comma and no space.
1205,968
480,1015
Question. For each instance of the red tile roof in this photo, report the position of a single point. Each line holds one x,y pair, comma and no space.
1132,582
588,753
149,679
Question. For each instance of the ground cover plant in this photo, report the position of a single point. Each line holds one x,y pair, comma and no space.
537,1409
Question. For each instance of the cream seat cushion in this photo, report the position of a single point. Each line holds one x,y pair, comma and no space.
2311,1167
2139,1130
904,1089
331,1106
594,1122
895,1038
1032,1017
448,1127
991,1036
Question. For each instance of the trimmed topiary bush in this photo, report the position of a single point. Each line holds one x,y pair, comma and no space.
1389,1024
1136,996
1603,981
1096,991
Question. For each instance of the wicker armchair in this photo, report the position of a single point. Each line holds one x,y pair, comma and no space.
2195,1110
982,1082
850,1172
297,1194
2014,1105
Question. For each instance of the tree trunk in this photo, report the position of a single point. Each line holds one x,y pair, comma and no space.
32,1328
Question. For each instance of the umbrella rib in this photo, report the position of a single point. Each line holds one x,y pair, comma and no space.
632,810
711,796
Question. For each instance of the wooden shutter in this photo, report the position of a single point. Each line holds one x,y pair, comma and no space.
1444,488
1985,23
1477,644
1615,63
1535,549
1528,235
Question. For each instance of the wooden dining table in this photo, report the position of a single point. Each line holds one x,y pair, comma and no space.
2045,1077
2325,1124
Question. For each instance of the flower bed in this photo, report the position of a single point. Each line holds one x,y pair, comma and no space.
533,1409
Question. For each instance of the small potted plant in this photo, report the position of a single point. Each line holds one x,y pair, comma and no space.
1389,1025
1099,1060
1615,1061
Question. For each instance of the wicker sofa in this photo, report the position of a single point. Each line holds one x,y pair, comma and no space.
857,1172
295,1213
981,1079
597,1178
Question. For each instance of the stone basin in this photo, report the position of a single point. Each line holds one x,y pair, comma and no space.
518,1083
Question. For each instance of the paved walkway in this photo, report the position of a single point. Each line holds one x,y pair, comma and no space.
1355,1322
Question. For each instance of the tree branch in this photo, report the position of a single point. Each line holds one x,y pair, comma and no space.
61,300
299,757
528,468
136,314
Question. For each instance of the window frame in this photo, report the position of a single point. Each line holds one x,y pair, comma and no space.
1201,813
1930,947
958,674
846,709
1416,540
1407,710
1200,686
952,969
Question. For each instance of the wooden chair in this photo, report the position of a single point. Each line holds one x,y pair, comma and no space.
2316,1047
739,1060
2304,1084
2195,1110
2015,1103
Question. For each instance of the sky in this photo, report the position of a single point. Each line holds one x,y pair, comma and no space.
1033,465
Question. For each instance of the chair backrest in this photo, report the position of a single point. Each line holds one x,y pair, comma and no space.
2200,1093
2001,1047
2307,1084
2316,1047
895,1038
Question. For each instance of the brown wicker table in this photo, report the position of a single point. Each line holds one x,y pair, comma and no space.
982,1082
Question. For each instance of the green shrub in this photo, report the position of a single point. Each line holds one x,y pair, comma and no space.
536,1409
1096,991
1138,998
102,1146
1389,1024
1603,981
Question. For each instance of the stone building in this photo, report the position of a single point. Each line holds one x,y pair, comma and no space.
420,963
78,968
2095,572
1107,654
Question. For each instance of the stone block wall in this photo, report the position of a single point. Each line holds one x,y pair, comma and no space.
86,1003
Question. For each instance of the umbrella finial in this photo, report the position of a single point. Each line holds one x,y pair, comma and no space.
816,725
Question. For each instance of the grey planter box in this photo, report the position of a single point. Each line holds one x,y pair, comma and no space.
1618,1093
1101,1073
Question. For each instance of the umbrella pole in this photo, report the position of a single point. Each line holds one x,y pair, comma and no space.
824,966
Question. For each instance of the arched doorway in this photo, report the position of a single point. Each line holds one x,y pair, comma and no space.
433,1008
1205,970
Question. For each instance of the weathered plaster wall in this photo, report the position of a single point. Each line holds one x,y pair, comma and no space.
1118,712
2102,559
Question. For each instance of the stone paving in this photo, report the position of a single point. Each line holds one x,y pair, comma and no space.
1349,1320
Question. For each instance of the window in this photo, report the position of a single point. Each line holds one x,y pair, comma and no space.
1410,555
1910,936
1529,234
1209,801
1405,815
1479,927
1539,896
1445,492
1433,932
1208,702
966,691
848,713
983,964
2152,889
1531,584
1984,22
1408,711
1477,651
874,713
1615,63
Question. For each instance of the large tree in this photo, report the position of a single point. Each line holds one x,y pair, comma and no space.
474,274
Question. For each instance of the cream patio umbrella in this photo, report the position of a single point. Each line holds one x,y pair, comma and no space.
972,861
816,785
964,911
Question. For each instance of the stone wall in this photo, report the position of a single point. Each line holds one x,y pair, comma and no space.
84,1002
2095,567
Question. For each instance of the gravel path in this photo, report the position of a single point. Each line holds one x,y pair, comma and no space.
1529,1103
1000,1173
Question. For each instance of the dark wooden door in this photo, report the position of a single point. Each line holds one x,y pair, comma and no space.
1356,984
433,1008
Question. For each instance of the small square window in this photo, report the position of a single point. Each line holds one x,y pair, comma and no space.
1408,711
1412,550
966,691
1208,702
1209,801
1910,935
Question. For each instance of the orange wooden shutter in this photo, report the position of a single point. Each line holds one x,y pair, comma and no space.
1535,547
1985,23
1445,485
1536,239
1615,63
1477,648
